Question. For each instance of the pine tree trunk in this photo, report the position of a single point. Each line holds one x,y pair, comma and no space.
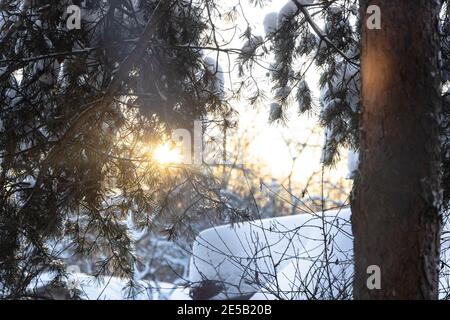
396,200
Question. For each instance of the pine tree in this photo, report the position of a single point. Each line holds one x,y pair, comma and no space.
79,110
397,188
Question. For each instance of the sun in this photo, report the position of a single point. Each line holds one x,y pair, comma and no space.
167,154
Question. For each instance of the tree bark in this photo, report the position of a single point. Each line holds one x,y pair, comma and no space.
396,201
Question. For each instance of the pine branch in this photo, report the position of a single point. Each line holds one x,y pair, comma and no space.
321,34
108,97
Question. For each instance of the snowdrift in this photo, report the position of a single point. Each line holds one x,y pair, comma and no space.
279,258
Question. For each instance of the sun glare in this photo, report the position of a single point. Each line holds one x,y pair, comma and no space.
167,154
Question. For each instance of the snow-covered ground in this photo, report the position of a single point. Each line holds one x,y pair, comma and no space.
113,288
276,258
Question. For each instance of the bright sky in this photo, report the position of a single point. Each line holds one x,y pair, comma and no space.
268,145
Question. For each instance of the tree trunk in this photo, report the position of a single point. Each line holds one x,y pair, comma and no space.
396,202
